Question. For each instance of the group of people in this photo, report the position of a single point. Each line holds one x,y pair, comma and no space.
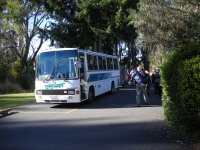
143,81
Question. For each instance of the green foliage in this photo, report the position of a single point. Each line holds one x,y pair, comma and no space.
3,71
24,79
8,87
166,24
15,70
99,25
180,76
156,59
27,81
21,23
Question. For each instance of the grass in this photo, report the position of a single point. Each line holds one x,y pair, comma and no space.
12,100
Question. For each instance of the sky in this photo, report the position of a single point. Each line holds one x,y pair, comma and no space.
36,40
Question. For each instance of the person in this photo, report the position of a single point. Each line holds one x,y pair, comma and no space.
141,83
130,80
157,86
131,74
128,75
153,77
56,73
148,82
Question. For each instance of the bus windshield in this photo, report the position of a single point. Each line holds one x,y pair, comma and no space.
57,65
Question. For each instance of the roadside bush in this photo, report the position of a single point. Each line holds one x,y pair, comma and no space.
26,81
15,70
8,87
4,67
180,76
25,78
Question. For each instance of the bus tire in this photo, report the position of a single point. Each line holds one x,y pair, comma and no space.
90,95
112,89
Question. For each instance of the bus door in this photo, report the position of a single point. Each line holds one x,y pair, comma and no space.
82,71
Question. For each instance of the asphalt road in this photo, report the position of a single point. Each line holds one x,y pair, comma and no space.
111,122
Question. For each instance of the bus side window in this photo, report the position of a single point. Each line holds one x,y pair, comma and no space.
115,64
91,65
108,63
100,62
95,63
111,63
104,63
89,62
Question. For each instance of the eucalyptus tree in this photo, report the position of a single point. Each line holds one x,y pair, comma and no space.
21,23
3,55
166,24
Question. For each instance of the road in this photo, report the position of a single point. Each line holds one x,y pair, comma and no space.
111,122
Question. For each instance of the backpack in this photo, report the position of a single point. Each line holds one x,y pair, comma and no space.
157,78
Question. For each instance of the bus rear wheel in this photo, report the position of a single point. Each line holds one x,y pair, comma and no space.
112,90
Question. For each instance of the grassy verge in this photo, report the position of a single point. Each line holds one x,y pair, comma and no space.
12,100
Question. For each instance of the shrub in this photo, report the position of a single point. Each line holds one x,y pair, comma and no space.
15,70
4,67
8,87
180,76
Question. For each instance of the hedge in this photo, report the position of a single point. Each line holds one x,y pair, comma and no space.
180,81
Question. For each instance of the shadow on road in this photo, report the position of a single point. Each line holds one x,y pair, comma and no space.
122,98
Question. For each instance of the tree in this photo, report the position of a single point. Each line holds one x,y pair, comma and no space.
66,30
109,21
20,25
96,25
166,24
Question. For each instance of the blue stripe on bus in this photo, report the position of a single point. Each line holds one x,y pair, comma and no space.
99,76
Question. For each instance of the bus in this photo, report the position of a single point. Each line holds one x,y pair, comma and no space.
73,75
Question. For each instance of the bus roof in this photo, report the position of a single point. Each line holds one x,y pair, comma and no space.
79,50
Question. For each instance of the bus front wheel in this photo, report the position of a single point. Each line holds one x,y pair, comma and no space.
90,95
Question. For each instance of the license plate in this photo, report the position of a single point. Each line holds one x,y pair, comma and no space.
53,97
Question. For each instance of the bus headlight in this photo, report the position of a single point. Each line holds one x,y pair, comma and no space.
39,92
71,92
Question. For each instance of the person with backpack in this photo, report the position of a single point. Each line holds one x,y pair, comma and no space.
141,84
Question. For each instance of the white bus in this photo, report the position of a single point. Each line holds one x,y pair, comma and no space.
72,75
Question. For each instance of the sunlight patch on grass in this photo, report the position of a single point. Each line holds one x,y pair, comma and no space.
12,100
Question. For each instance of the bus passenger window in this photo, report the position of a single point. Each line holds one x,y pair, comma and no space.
115,64
95,63
100,63
108,63
89,62
104,63
111,63
90,65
